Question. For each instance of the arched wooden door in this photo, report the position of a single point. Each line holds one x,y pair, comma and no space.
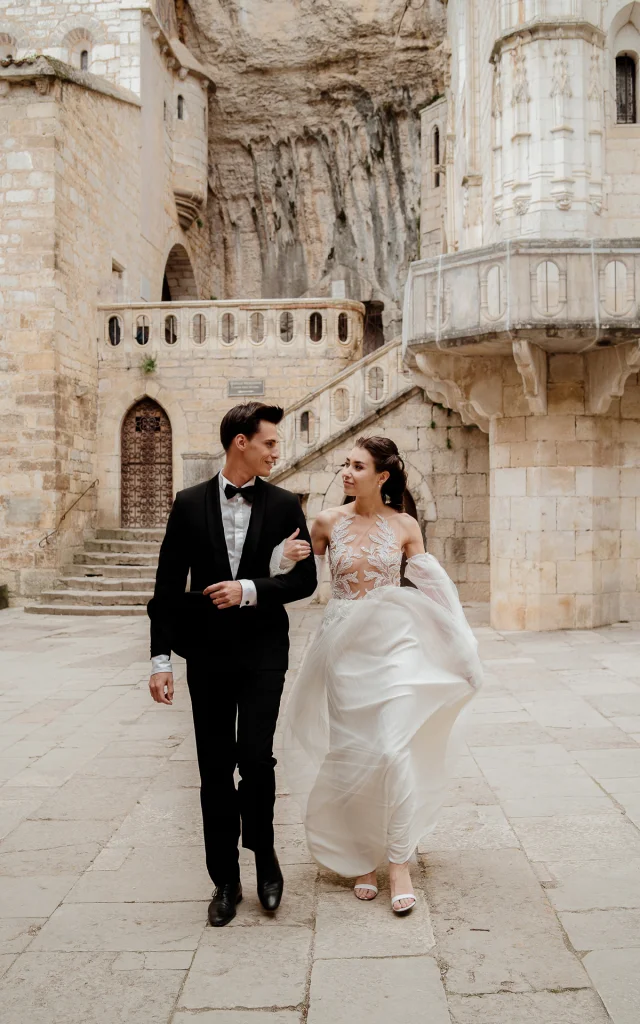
146,486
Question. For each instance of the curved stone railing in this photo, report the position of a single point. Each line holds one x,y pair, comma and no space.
271,327
339,405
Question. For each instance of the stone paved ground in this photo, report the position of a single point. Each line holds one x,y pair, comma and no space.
530,906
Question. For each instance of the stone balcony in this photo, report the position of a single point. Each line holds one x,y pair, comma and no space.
261,329
561,296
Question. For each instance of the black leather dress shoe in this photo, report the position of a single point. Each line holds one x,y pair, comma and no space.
270,880
222,908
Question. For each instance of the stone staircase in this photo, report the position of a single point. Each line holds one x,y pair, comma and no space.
114,575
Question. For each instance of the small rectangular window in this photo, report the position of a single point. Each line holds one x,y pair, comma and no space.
626,89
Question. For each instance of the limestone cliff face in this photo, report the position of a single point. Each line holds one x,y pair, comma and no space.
314,141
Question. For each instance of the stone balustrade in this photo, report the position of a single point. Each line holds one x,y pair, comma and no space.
563,296
340,404
314,328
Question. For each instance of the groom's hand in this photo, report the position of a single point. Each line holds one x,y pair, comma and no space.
225,595
161,687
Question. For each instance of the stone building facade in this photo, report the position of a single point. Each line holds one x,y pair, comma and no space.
513,392
523,316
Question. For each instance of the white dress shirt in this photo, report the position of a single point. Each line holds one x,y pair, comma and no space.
236,516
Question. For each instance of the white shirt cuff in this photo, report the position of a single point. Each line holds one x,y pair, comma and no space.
279,564
249,594
161,663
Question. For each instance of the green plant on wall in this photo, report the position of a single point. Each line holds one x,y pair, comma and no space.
148,364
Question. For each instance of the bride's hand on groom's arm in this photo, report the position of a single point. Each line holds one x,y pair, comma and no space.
225,595
296,550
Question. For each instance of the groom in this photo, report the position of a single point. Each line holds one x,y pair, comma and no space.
233,630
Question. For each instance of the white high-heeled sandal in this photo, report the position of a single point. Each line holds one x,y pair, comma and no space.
366,885
403,896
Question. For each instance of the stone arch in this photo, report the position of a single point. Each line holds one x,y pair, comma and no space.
13,37
77,40
179,282
8,45
94,30
146,465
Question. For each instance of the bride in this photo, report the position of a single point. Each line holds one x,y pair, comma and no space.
373,706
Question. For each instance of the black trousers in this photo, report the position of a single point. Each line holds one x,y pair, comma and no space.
235,712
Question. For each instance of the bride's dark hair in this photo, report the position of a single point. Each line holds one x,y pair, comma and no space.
386,458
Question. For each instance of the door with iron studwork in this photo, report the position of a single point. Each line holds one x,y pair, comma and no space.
146,485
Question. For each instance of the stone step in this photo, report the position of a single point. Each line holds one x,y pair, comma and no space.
130,534
89,597
118,558
91,571
85,609
141,547
106,584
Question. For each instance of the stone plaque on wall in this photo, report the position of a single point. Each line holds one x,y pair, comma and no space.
244,388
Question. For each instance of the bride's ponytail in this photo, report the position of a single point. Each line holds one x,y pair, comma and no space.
386,458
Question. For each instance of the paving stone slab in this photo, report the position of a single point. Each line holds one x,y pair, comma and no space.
591,739
161,819
345,925
16,933
610,764
468,827
248,968
616,976
530,1008
50,835
594,885
238,1017
298,901
65,860
406,990
602,929
87,799
35,896
494,927
82,988
173,874
139,927
588,836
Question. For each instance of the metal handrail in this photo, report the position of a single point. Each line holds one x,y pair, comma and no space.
45,540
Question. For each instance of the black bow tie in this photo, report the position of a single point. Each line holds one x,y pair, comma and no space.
246,492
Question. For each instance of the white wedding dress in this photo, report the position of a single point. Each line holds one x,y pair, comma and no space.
370,715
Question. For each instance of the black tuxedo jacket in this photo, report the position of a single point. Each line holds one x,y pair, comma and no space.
189,623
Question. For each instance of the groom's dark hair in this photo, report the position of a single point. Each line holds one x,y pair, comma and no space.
245,419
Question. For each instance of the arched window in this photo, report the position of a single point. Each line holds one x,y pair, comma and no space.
171,329
228,329
142,330
375,383
306,427
343,327
199,325
256,327
84,60
436,157
315,326
115,330
286,327
626,89
180,108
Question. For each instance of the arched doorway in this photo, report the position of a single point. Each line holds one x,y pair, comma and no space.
146,485
179,283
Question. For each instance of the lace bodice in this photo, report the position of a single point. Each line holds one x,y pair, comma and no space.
357,570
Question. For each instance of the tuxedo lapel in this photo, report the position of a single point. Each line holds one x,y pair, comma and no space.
255,528
216,530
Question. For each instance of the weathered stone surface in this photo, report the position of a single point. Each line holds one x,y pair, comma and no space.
493,926
616,976
123,926
37,988
595,884
383,990
522,1008
345,924
241,968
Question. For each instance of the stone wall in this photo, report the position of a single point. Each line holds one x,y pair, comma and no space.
564,498
448,467
70,187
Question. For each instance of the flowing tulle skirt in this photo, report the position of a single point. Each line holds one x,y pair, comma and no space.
370,718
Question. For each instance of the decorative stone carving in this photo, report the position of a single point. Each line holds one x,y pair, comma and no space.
473,389
607,372
521,205
532,367
563,200
520,80
42,85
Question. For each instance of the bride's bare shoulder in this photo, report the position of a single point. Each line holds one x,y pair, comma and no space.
328,518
